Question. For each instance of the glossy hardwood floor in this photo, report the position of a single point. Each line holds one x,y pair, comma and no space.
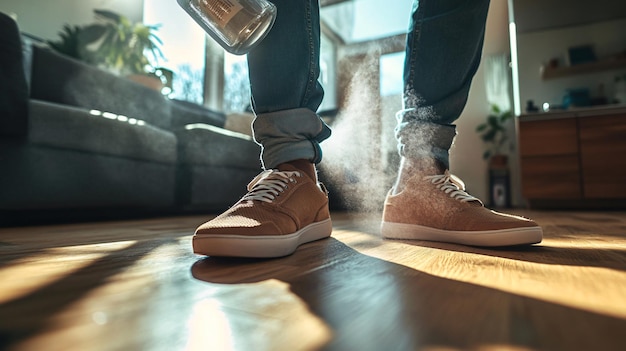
135,285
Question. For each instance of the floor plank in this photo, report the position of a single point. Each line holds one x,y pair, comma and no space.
135,285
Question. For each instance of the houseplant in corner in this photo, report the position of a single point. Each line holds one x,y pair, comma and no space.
121,46
68,43
116,44
495,135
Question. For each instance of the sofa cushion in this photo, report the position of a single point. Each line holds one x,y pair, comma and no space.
204,144
61,79
13,88
73,128
39,177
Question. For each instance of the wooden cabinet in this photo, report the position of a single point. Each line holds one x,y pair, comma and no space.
603,156
573,159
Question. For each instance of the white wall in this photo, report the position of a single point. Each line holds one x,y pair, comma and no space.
466,154
46,18
536,48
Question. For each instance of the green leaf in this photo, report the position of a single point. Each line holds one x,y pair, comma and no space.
493,122
489,136
92,33
116,18
68,44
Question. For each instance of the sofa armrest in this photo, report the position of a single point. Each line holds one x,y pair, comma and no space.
184,113
13,87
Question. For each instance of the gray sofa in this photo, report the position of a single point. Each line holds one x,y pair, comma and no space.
75,138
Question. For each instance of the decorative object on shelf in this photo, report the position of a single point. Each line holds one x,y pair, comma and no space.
494,134
531,107
576,97
598,97
581,54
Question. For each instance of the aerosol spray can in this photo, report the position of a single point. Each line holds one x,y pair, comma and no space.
237,25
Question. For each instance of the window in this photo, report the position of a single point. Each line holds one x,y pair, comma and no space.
391,74
185,50
237,85
183,47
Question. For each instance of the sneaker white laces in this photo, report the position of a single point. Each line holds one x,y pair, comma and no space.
453,186
269,184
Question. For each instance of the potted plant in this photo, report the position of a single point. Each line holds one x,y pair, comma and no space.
118,45
68,44
494,134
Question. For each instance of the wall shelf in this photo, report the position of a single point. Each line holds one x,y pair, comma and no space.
583,68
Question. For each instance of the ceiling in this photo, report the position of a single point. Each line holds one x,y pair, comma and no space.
354,21
537,15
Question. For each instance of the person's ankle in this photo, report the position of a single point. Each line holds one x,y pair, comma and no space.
305,166
409,168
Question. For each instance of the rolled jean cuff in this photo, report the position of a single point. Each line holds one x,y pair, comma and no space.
423,139
289,135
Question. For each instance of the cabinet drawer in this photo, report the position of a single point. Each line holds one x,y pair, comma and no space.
548,137
551,177
603,156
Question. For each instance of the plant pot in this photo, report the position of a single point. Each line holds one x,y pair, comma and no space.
499,182
146,80
498,161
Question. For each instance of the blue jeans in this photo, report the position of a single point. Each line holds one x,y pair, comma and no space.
443,51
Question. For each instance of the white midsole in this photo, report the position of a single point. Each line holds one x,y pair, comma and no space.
260,246
499,237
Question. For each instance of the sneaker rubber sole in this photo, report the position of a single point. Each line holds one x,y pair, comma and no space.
261,246
488,238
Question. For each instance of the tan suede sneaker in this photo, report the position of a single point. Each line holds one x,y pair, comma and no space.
437,208
282,210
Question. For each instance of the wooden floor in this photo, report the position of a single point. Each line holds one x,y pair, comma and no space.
135,285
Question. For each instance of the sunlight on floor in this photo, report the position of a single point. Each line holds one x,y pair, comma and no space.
239,310
596,289
28,274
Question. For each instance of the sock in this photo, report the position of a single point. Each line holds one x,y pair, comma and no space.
305,166
411,167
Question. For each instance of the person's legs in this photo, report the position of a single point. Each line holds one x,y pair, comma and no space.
443,52
286,93
285,206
